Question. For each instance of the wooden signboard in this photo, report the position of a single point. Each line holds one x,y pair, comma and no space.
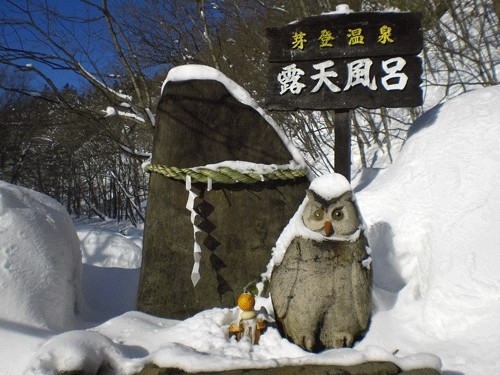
341,61
345,61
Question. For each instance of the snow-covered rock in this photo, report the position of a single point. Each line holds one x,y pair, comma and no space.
40,260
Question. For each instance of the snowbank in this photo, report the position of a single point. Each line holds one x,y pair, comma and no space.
111,255
433,228
40,261
106,248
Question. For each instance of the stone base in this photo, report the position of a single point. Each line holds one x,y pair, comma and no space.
369,368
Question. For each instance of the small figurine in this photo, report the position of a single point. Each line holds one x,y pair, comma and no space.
250,325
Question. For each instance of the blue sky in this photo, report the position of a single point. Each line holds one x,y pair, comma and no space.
74,36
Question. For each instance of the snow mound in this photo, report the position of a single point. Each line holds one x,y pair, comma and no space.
105,248
71,350
40,260
433,228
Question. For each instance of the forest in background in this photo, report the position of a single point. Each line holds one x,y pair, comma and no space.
83,141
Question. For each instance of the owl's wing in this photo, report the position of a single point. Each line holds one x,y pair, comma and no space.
361,279
283,280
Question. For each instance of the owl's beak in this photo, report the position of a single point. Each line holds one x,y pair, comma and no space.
328,228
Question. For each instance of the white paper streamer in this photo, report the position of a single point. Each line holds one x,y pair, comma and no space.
195,273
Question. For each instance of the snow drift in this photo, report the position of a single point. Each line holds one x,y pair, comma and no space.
40,260
433,227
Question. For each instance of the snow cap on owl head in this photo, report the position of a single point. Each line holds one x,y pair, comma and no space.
330,185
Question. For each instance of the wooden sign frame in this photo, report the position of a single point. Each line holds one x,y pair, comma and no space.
345,61
342,61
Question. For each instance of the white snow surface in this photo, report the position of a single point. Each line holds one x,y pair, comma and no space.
107,248
40,261
431,219
249,167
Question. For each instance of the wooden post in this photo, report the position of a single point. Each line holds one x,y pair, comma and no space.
342,128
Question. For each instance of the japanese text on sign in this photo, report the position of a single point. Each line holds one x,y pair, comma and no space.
358,73
354,37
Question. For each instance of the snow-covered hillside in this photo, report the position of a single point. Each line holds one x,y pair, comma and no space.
431,217
433,220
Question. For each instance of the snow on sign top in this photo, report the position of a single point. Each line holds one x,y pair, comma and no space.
203,72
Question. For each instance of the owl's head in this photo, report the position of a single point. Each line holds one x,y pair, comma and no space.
335,216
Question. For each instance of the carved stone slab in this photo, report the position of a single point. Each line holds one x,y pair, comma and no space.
199,122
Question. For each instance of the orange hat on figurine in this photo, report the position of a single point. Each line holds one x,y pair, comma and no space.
246,301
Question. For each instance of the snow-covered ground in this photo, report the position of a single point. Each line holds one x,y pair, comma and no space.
432,220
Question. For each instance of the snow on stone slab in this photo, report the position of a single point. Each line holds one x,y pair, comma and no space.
40,260
203,72
76,350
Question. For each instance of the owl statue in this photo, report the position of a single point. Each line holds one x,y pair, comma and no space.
321,289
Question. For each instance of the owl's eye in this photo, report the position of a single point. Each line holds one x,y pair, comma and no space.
318,214
337,214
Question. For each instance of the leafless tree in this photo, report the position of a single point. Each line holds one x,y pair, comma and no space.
40,39
119,53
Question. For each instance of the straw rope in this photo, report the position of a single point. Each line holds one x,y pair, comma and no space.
225,175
